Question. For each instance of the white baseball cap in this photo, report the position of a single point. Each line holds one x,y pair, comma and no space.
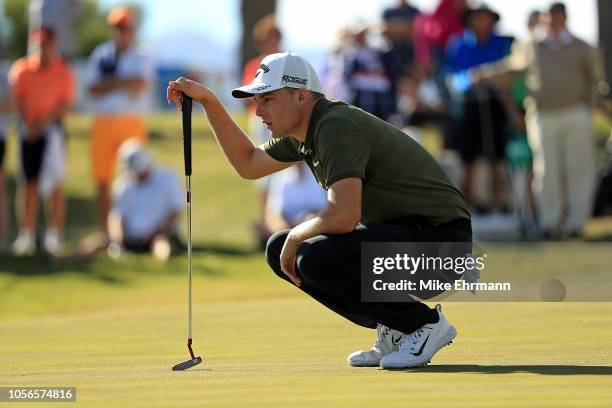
134,158
282,70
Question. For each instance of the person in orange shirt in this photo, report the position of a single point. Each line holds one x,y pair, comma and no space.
267,38
42,90
119,75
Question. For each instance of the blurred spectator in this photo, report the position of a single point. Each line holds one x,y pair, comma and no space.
5,108
561,79
267,38
478,111
370,76
294,196
420,100
333,80
398,30
518,152
535,26
42,86
401,12
119,74
431,32
60,15
148,202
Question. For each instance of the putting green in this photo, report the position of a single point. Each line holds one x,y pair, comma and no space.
275,347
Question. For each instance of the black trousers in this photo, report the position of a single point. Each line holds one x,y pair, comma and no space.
32,155
471,136
329,267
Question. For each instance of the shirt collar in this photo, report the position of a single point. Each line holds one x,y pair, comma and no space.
469,37
35,62
127,51
563,38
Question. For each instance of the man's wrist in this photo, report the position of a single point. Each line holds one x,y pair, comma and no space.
206,97
110,83
293,239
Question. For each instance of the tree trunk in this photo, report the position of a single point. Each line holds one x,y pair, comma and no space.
605,39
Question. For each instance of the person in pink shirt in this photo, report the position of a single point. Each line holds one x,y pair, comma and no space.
431,32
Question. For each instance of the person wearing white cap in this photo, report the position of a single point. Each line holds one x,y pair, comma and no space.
148,202
381,186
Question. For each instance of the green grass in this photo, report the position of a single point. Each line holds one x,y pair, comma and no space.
114,329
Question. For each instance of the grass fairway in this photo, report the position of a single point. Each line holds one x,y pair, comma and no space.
114,329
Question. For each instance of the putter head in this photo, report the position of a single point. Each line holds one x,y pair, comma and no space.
187,364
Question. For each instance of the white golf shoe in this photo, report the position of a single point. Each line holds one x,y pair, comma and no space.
417,348
53,242
387,341
25,243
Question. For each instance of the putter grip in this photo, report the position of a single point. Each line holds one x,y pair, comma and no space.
186,108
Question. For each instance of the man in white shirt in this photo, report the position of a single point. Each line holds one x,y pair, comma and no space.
119,76
148,201
293,197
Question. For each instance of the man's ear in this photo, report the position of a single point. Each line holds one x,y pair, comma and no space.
301,95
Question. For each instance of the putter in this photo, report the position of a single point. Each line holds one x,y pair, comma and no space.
186,110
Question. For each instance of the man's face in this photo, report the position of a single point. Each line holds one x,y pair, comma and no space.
47,48
557,20
122,35
482,23
143,176
279,110
271,44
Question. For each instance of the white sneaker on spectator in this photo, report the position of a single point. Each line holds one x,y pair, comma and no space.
387,341
417,348
53,241
24,244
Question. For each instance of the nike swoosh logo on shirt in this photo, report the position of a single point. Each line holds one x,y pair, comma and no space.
315,163
418,353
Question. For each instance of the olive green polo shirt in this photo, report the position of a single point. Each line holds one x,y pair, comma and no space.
400,178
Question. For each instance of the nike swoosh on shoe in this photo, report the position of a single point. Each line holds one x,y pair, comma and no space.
418,353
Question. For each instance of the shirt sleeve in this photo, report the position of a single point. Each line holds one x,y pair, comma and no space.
589,65
92,74
283,149
69,89
143,68
175,196
118,191
343,150
459,78
14,78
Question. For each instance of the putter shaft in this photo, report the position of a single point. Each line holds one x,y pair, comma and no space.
189,255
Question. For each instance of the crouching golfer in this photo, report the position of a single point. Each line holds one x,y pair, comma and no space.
373,174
